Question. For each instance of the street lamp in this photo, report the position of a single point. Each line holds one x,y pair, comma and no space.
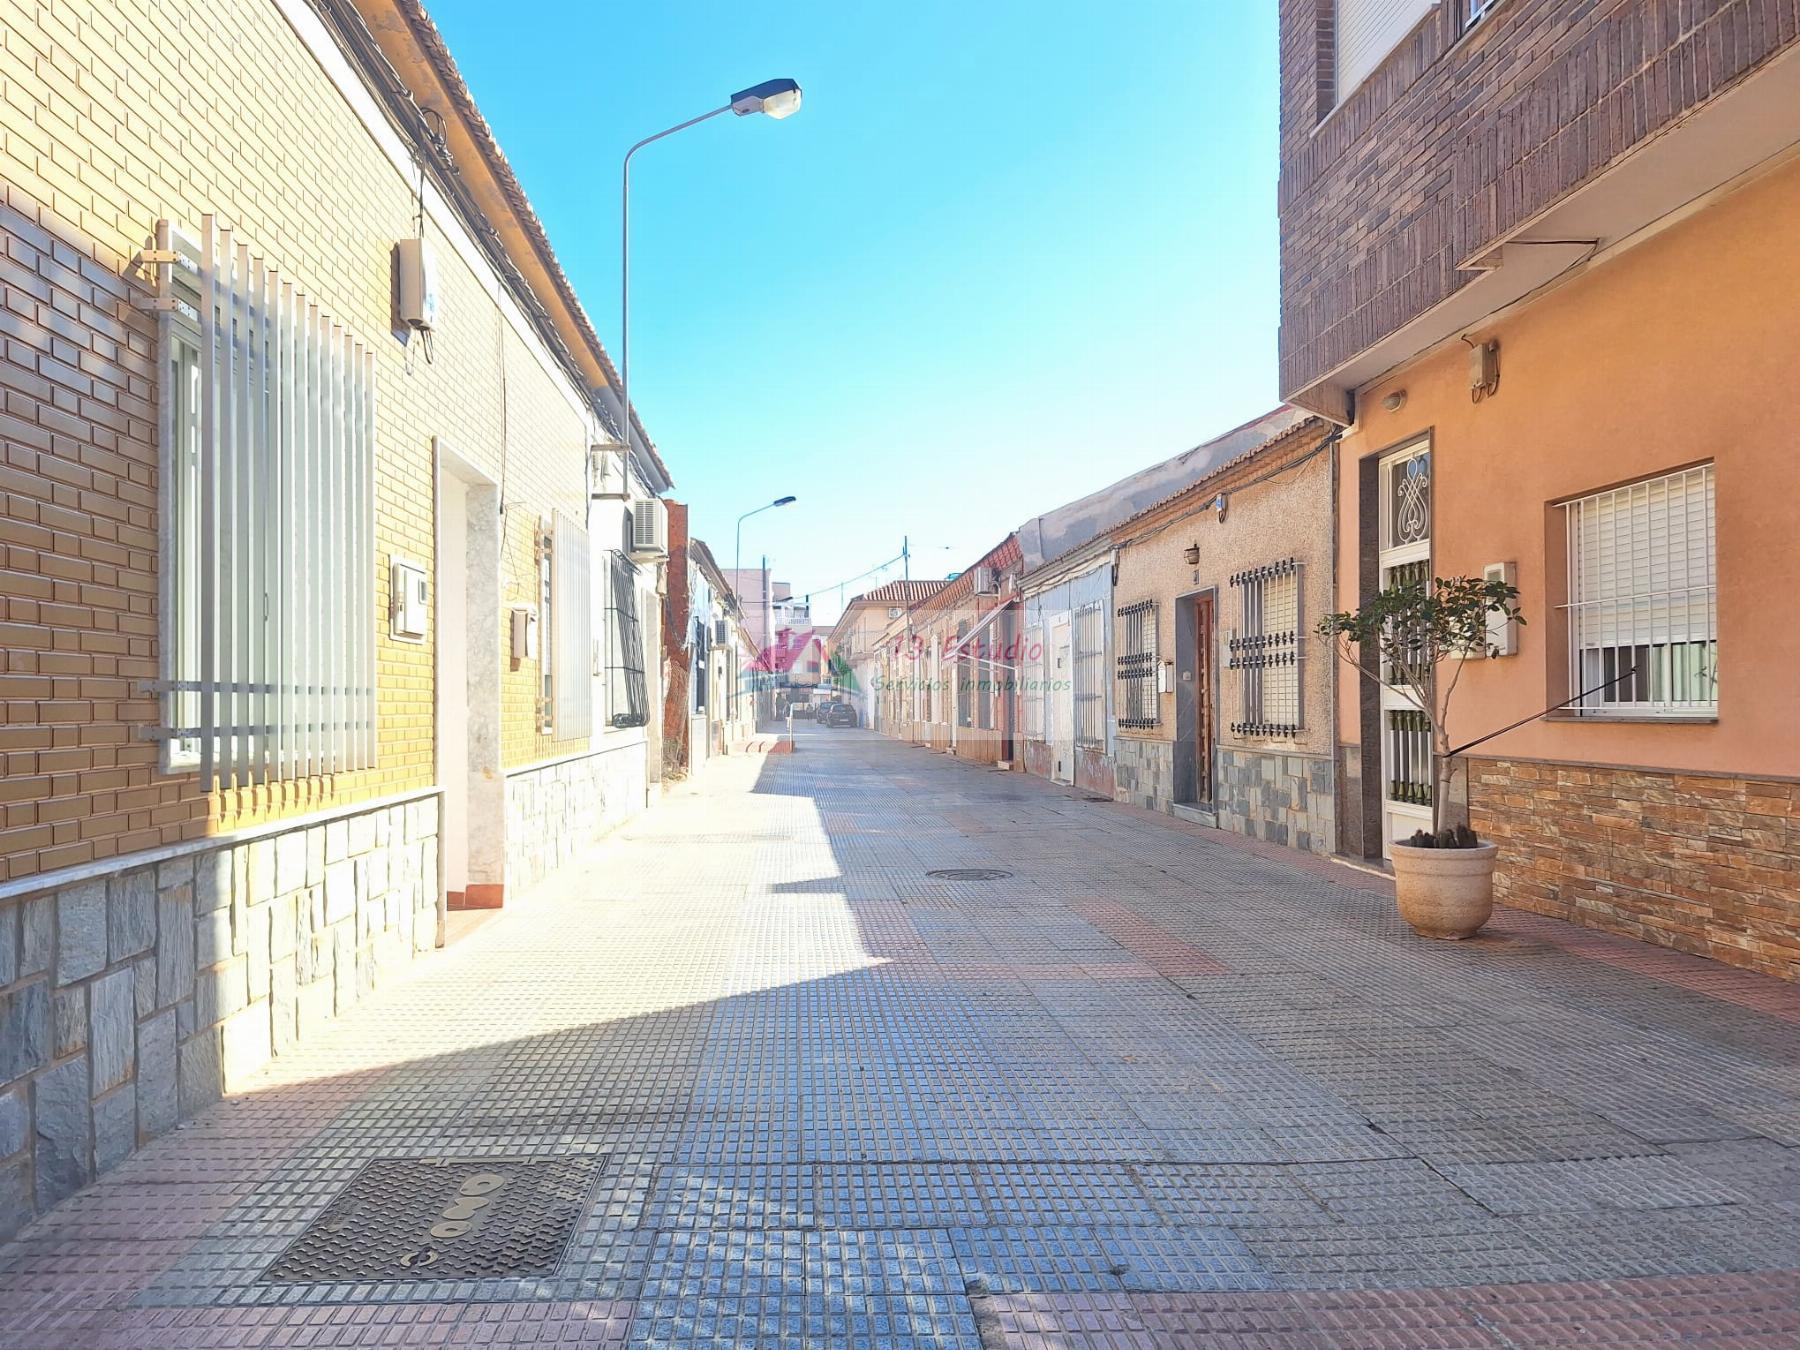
737,558
773,98
737,565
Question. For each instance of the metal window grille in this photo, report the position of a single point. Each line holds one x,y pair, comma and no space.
965,678
1266,652
267,498
627,696
571,639
1643,601
1031,685
1409,756
1137,665
1089,656
701,659
1405,574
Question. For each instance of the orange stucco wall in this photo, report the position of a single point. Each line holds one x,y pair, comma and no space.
1680,350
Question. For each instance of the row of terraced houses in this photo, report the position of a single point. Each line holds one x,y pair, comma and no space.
1540,276
337,589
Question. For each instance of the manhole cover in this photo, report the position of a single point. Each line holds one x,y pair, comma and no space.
969,874
443,1219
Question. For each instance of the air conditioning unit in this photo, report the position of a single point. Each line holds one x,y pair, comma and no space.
894,611
987,581
721,632
609,474
649,530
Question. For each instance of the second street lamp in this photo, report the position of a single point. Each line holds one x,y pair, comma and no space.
777,99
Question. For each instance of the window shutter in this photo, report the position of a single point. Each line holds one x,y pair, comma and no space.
573,693
269,642
1367,30
1642,596
1644,562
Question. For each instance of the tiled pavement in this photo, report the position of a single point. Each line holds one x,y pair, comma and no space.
1153,1088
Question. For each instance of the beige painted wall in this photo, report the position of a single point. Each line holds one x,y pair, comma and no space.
1287,517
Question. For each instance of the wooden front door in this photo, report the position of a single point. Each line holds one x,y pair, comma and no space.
1204,700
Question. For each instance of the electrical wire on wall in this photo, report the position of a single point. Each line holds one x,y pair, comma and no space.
419,234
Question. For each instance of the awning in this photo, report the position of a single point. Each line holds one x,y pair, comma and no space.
961,649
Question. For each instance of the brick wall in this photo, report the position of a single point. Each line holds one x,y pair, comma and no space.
116,114
1459,138
130,1001
1705,864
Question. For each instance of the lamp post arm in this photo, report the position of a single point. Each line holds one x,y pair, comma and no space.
625,269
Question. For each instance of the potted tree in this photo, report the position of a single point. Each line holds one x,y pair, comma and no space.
1414,637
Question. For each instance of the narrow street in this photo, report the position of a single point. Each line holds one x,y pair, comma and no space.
760,1077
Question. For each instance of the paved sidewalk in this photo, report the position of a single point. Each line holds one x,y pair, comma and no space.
757,1077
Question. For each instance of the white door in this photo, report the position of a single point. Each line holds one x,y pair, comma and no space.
1061,703
1404,484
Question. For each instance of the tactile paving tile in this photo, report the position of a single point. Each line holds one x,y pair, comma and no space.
1594,1184
1147,1073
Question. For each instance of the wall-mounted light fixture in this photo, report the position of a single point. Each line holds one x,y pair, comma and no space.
1221,505
1395,401
1192,554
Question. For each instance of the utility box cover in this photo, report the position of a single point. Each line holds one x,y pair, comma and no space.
410,595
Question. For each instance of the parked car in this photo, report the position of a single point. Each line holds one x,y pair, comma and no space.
842,715
800,708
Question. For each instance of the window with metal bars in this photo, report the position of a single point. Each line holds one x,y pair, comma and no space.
267,494
627,696
1136,666
1089,656
701,658
964,668
1266,650
1643,598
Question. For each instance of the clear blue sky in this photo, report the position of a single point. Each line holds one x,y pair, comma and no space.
1005,253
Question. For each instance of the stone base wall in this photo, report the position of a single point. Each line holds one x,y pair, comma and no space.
1706,865
1144,772
979,745
1281,798
132,999
556,812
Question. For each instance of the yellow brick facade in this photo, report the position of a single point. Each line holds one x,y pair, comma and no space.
114,115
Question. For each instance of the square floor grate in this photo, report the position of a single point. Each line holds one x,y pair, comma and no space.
443,1218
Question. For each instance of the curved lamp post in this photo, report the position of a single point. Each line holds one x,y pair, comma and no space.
773,98
737,567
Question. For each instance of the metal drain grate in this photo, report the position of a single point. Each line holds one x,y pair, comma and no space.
443,1219
969,874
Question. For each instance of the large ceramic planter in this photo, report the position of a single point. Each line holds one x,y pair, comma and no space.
1445,892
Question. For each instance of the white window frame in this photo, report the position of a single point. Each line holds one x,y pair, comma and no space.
1407,499
1031,685
1087,659
266,501
1642,579
567,635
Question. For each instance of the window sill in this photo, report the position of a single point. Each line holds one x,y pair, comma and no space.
1633,719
